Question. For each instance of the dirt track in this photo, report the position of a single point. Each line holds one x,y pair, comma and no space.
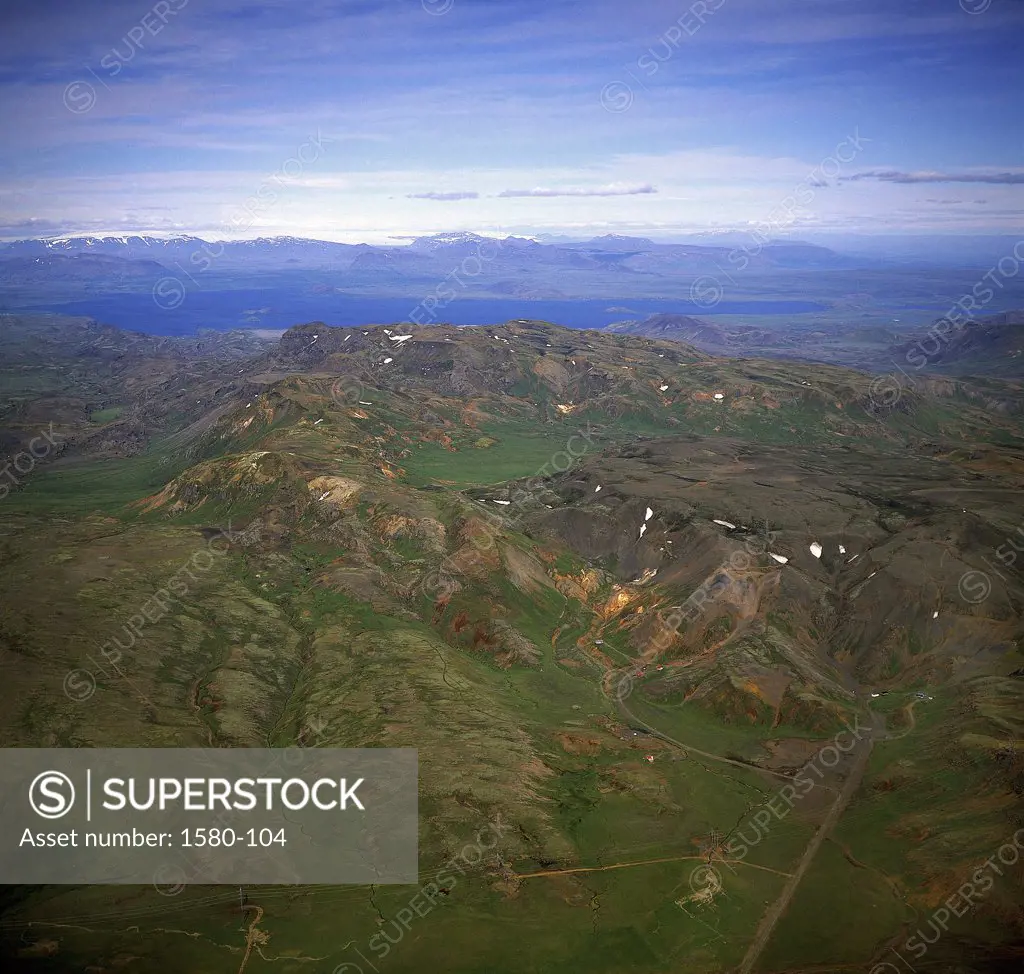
629,715
778,908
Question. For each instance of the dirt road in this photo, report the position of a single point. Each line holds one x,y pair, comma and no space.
778,908
689,748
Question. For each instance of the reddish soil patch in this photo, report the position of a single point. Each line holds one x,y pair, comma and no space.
576,743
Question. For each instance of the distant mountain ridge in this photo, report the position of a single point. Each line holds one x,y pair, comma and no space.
77,266
992,345
133,246
90,274
796,299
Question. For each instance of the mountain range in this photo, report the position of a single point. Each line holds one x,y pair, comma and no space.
616,591
611,252
784,289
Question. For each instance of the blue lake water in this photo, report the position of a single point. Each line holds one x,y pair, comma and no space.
284,307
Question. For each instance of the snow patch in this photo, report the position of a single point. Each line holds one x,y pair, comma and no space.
816,549
725,524
781,559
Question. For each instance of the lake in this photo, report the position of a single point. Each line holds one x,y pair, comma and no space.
284,307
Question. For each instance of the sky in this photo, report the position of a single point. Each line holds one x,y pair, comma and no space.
377,120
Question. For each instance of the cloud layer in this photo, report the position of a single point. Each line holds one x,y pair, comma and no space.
644,190
643,117
909,178
443,197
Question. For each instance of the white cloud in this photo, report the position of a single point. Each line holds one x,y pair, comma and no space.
613,190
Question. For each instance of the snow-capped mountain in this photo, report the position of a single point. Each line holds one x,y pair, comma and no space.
511,262
187,250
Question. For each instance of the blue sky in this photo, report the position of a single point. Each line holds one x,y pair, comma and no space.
374,119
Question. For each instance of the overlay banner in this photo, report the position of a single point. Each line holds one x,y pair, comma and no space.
175,816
